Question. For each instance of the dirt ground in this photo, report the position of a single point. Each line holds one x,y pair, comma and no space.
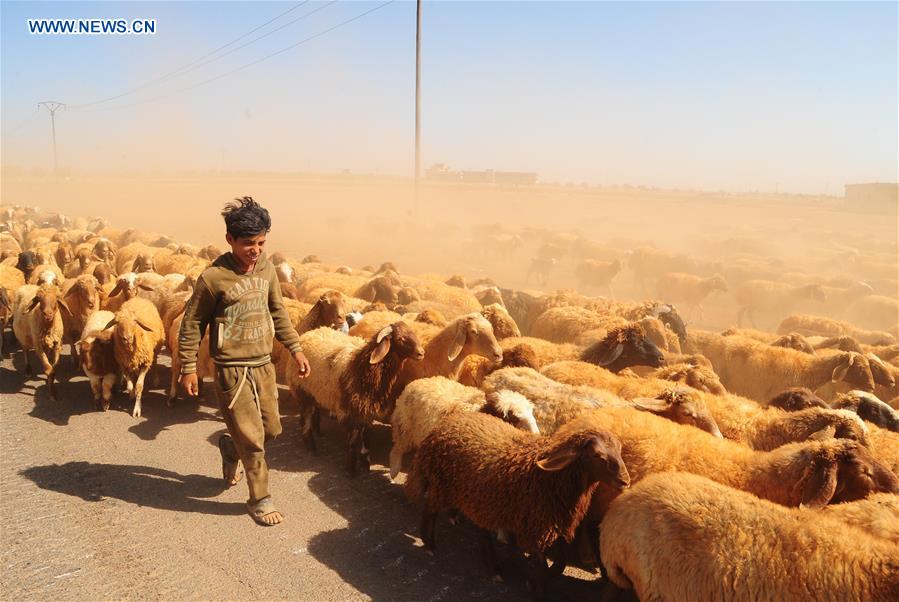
102,506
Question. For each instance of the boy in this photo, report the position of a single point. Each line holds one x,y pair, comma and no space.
239,298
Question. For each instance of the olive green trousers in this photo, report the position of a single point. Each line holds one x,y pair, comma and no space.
248,398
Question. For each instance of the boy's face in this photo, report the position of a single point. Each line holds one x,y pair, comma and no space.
246,249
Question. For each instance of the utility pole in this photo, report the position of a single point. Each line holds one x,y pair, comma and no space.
417,100
52,106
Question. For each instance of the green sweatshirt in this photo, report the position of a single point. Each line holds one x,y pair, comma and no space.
244,312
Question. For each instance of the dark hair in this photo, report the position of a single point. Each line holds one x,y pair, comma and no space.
244,217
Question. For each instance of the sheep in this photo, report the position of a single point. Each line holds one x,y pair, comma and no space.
769,297
97,356
46,274
329,310
794,341
540,268
521,306
874,311
366,373
701,378
738,419
40,331
758,371
82,298
556,403
471,334
566,324
125,289
597,274
435,318
546,352
683,537
870,408
475,368
623,347
689,289
503,479
489,295
137,339
503,324
651,444
883,375
809,325
666,313
795,399
878,514
383,288
426,401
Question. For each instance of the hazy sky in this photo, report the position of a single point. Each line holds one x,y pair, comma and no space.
739,96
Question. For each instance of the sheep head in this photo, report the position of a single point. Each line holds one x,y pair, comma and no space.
598,453
474,334
332,308
855,370
869,407
48,299
682,406
668,315
399,338
503,324
623,347
796,399
843,471
796,341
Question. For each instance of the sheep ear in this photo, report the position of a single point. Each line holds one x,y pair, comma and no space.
63,305
111,323
557,460
385,332
458,343
613,355
33,304
146,287
828,432
380,351
144,326
656,406
839,373
116,290
819,484
324,299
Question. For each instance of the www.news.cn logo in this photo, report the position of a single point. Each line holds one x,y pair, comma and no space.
92,26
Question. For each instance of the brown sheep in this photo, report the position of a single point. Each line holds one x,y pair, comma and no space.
501,478
795,399
97,357
137,339
476,368
356,380
689,289
503,324
623,347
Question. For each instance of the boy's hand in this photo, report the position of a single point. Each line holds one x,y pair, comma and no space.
302,363
189,384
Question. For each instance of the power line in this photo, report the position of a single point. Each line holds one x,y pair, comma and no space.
250,64
191,65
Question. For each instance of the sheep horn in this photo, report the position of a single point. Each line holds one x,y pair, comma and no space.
614,355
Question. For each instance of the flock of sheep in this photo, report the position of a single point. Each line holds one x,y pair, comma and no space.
580,430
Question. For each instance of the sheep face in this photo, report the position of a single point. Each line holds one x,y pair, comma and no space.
103,273
856,372
599,455
332,305
668,315
869,407
624,347
474,335
104,250
47,298
683,407
797,399
407,295
880,372
861,474
143,263
88,290
795,341
399,339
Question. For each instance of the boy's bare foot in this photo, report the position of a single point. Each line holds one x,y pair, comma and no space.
264,513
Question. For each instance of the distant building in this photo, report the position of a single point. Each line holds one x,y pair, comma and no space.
440,172
879,197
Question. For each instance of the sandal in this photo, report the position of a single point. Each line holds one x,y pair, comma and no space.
231,472
262,508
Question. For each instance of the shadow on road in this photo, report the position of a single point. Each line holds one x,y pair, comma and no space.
161,417
140,485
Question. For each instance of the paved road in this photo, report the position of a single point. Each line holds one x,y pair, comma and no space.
103,506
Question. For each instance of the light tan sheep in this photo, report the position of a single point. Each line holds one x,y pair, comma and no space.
137,339
772,299
689,290
38,326
809,325
683,537
426,401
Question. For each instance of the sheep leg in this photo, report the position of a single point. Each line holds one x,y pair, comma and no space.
354,449
537,573
108,385
28,370
396,460
50,369
173,387
138,391
428,526
316,420
485,541
307,420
